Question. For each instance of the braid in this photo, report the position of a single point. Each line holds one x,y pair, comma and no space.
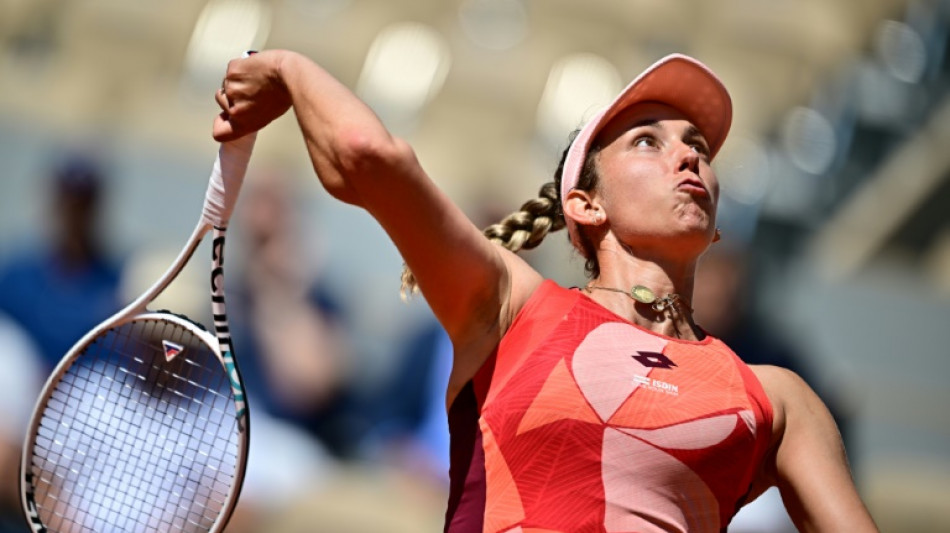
407,284
527,227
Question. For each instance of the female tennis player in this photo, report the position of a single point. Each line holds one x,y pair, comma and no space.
602,408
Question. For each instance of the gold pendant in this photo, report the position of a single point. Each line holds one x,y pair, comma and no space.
642,294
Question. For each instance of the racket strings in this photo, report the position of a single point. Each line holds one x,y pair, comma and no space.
137,442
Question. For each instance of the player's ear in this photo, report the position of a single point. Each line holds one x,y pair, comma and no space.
583,208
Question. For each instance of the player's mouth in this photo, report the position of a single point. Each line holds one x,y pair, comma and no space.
694,187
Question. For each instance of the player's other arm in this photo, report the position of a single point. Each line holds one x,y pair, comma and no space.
808,463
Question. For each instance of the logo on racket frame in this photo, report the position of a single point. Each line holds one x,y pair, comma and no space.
171,350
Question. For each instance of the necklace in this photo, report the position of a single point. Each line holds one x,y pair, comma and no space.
670,302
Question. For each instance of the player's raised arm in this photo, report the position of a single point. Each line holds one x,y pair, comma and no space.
466,280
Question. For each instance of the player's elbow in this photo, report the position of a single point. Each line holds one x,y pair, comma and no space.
362,163
368,156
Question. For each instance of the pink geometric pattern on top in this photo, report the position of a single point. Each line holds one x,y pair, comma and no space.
693,435
608,381
631,465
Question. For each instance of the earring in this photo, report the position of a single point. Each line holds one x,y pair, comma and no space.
717,236
598,217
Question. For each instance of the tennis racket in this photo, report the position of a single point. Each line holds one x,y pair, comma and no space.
143,426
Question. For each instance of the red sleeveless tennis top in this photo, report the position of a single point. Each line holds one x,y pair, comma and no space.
584,422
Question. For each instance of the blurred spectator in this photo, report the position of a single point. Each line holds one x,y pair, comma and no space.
50,295
19,386
411,424
61,289
288,329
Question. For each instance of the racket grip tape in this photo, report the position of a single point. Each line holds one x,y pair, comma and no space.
227,175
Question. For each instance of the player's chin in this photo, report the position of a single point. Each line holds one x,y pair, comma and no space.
694,236
696,216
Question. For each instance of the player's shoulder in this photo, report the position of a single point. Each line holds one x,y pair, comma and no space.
786,390
779,378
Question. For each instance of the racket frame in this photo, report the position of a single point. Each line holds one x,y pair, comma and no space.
219,342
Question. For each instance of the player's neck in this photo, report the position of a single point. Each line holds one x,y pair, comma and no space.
669,314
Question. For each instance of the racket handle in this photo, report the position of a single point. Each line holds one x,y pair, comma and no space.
226,178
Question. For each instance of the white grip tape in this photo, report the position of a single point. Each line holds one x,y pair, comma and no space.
226,178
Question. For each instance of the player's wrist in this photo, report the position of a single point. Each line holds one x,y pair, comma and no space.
287,66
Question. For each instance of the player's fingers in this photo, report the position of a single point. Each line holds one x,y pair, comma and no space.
222,98
223,130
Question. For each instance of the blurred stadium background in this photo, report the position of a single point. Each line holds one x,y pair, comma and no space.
836,176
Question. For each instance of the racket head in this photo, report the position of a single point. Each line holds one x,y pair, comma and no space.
141,427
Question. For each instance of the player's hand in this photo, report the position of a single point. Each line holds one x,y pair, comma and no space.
252,95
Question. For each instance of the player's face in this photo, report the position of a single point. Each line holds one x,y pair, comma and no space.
656,184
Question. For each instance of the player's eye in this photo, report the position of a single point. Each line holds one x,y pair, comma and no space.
697,143
645,141
701,148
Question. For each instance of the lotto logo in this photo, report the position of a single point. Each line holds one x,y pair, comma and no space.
654,360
